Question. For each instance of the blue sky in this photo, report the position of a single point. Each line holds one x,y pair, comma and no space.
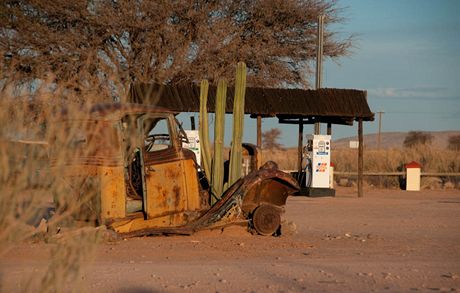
408,59
406,55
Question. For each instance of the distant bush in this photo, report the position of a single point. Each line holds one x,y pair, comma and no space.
270,139
416,138
454,143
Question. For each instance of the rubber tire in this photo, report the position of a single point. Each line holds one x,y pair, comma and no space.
266,219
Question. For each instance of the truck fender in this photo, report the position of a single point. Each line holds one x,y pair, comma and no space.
264,193
259,197
269,186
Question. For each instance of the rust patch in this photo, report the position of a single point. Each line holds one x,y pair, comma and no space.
176,191
172,173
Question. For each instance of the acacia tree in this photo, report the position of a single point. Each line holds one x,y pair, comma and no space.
415,138
101,46
270,139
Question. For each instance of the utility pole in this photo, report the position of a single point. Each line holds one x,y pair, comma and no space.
380,129
319,61
259,131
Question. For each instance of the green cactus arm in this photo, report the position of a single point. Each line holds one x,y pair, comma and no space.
217,180
204,128
238,124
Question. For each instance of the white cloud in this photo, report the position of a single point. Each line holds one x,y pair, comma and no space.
415,92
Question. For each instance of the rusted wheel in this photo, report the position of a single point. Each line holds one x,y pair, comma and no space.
266,219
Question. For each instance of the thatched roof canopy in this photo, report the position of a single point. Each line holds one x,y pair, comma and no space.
340,106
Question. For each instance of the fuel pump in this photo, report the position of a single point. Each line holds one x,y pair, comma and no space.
193,144
317,159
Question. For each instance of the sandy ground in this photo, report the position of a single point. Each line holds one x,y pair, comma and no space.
388,241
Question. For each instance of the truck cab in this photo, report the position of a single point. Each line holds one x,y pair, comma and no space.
126,168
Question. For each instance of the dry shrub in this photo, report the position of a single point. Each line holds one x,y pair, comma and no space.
270,139
431,183
393,160
385,160
285,158
431,159
454,143
417,138
29,188
384,181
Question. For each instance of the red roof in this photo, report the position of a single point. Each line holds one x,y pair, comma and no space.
413,164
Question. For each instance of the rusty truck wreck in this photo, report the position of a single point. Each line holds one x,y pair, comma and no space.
146,183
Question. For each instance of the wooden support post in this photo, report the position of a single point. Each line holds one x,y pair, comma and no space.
317,127
259,131
329,128
192,122
299,147
360,157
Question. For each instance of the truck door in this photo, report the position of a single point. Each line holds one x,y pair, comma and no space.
164,184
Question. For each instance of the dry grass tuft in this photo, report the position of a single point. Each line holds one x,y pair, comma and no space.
29,188
385,160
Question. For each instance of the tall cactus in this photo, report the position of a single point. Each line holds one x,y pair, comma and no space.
238,124
217,180
204,128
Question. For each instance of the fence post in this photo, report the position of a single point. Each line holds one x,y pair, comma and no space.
413,176
331,176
